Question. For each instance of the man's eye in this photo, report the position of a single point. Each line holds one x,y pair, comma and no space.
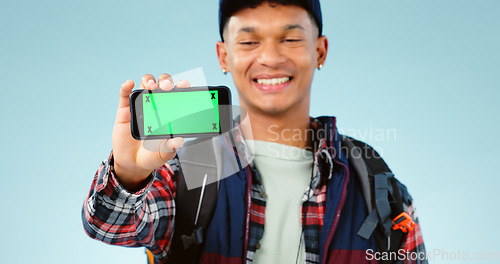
292,40
248,42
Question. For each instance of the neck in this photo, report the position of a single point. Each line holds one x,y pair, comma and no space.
288,129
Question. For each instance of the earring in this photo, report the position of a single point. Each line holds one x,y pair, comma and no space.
320,66
224,71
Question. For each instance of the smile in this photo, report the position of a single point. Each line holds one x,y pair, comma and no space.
273,81
269,84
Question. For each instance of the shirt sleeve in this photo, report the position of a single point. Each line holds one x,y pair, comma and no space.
116,216
413,245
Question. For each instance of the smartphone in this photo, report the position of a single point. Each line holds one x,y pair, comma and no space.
180,112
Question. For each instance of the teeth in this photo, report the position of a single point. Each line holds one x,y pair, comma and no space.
273,81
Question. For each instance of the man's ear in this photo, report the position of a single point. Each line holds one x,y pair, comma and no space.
321,49
222,55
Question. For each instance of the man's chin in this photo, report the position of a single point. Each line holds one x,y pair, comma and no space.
272,109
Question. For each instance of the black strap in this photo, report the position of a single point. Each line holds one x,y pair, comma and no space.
370,156
188,240
384,200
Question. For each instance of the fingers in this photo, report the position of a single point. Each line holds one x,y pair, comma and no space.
148,81
125,91
169,148
183,84
166,82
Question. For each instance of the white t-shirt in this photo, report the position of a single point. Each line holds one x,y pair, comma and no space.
286,173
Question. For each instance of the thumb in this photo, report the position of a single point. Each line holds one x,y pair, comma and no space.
165,147
172,145
169,148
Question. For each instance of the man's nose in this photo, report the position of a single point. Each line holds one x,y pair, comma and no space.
271,55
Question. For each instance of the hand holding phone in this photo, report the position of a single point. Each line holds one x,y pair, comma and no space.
132,163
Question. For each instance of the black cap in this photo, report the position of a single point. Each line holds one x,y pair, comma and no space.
228,7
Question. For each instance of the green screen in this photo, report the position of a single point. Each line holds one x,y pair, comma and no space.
181,113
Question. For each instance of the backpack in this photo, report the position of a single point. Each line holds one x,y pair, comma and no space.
386,198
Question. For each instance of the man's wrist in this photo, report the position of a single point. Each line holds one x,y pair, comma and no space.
132,180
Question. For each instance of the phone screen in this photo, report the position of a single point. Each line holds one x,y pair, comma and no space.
181,113
188,112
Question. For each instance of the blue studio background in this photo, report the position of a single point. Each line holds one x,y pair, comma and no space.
419,80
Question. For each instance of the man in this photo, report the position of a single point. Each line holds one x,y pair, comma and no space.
282,208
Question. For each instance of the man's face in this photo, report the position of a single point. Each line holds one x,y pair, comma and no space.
272,52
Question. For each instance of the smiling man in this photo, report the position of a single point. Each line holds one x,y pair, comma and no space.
298,201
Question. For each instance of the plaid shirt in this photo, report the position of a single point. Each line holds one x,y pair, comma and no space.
146,218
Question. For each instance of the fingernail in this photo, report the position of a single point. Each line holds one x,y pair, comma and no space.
151,83
173,144
177,143
166,84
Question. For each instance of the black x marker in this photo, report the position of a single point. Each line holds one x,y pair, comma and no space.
149,130
213,95
215,126
147,99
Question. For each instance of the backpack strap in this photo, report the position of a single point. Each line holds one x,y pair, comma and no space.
194,206
386,198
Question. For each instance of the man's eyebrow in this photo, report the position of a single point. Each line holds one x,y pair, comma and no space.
294,26
286,28
247,29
